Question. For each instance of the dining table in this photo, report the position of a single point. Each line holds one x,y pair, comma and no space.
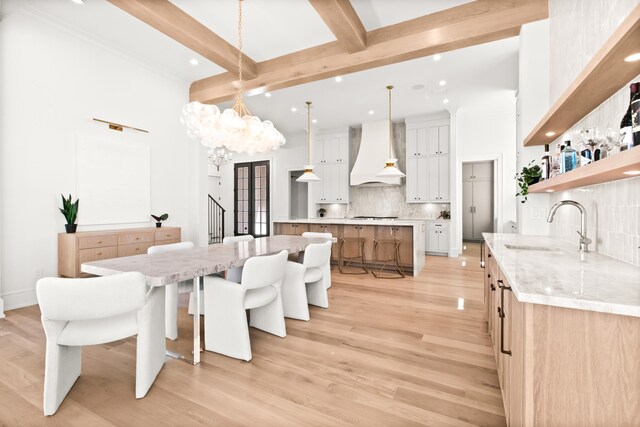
161,269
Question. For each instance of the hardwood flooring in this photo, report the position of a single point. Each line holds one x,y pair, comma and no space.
385,353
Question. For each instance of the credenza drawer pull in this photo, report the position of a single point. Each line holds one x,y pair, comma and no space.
99,253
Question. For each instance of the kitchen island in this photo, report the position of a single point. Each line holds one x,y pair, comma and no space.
410,232
565,328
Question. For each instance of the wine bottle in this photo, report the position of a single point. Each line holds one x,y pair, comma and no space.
626,125
634,106
545,163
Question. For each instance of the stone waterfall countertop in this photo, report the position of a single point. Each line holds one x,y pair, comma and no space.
354,221
560,276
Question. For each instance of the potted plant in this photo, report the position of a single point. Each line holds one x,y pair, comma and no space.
321,212
530,175
159,219
70,211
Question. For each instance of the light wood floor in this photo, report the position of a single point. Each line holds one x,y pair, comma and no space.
386,353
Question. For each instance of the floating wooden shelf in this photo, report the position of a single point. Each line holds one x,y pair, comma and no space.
603,76
605,170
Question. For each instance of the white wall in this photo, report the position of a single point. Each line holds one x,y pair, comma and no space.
532,105
480,132
292,156
53,83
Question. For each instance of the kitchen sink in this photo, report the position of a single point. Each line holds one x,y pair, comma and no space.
531,248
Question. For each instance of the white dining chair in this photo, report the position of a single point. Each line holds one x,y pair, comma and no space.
172,290
235,274
327,268
226,330
304,283
79,312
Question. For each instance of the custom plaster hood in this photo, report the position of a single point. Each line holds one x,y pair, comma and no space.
373,155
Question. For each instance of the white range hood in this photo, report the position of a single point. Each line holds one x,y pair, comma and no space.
373,155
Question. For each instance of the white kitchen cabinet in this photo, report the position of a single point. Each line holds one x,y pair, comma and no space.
333,186
437,139
438,179
438,237
331,149
428,162
417,168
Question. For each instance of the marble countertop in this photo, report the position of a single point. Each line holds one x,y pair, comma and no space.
562,277
353,221
172,267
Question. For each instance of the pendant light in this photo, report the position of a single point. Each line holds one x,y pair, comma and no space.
308,174
235,128
390,170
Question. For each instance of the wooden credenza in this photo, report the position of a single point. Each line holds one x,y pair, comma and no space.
77,248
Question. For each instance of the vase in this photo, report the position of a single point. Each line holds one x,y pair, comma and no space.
71,228
158,224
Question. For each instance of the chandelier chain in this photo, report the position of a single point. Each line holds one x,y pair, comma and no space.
239,106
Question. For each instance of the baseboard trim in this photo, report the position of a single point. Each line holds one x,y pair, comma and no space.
20,299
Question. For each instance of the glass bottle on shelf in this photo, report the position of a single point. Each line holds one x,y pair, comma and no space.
627,124
569,158
545,164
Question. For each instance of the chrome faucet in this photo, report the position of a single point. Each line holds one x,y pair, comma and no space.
584,240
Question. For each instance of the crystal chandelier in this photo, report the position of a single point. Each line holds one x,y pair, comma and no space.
235,128
390,170
219,156
308,174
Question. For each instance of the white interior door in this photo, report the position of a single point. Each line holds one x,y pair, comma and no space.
467,206
483,203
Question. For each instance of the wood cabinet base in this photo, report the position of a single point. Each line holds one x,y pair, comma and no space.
87,246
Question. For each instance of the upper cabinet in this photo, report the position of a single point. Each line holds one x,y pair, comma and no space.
428,161
331,164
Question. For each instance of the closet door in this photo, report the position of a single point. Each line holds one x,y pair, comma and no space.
467,210
482,201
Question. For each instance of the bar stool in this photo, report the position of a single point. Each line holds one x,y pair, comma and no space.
360,242
378,245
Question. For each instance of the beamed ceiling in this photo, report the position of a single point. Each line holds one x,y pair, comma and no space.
354,45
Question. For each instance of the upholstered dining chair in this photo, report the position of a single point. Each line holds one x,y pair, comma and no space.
79,312
226,330
326,268
235,274
305,283
172,290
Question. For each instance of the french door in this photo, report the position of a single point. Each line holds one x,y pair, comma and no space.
251,194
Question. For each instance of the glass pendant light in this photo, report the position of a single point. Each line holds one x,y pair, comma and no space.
308,174
235,128
390,170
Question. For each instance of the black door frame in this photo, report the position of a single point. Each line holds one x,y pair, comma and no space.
251,190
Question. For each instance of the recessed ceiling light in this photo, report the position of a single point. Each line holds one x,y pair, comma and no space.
631,173
550,133
437,57
193,61
445,101
339,79
78,1
294,109
267,94
314,121
371,112
633,58
442,82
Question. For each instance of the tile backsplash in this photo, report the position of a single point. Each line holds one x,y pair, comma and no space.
613,218
577,29
383,200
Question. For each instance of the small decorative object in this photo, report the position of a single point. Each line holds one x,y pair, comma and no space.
529,175
159,219
321,212
445,215
70,211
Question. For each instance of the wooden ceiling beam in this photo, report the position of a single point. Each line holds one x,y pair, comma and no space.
462,26
169,19
344,23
